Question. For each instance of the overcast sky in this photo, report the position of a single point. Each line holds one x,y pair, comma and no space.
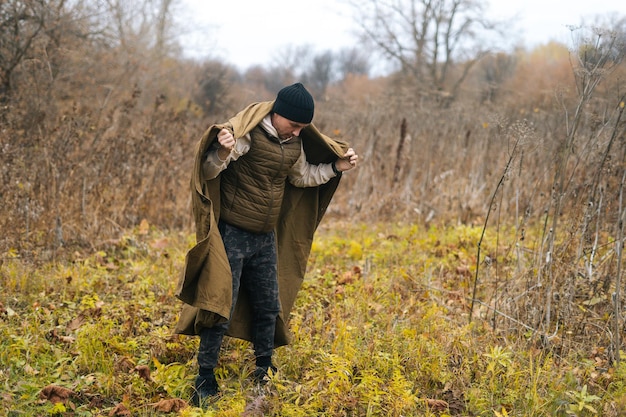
249,32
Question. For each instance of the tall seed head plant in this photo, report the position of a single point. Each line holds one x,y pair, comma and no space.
565,289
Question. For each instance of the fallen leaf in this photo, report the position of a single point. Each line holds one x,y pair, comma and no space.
56,394
119,410
29,370
96,401
346,278
171,405
436,405
162,243
144,227
125,364
144,372
463,270
68,340
75,323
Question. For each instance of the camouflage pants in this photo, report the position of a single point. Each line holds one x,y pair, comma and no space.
252,259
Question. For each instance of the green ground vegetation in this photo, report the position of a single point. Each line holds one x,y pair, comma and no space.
380,328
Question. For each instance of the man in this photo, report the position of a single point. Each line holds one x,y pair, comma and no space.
261,184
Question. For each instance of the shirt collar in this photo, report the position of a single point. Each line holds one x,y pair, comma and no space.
266,124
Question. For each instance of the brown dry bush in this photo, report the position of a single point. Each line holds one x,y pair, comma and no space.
565,288
93,134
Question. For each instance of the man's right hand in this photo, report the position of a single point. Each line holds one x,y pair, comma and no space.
226,139
227,143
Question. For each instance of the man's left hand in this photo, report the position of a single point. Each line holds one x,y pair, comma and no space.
349,161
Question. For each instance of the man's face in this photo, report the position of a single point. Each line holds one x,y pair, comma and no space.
286,128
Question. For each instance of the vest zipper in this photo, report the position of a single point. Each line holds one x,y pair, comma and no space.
272,191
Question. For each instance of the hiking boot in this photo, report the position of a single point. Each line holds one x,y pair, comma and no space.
206,388
260,374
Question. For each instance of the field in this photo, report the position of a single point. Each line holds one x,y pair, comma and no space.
380,328
471,265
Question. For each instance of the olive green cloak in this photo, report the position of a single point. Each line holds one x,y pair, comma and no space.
206,282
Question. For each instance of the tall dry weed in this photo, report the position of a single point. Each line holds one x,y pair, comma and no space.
565,291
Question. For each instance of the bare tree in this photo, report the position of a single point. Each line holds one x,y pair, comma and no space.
21,23
493,71
163,23
353,61
145,25
427,39
289,67
320,73
213,84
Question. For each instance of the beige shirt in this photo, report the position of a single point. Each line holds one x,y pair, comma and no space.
302,174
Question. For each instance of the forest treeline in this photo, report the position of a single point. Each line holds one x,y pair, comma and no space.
100,112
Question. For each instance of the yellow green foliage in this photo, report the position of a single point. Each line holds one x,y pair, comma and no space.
380,328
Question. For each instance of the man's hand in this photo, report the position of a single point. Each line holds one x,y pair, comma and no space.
349,161
227,143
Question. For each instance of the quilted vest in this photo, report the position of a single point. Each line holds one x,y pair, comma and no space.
252,187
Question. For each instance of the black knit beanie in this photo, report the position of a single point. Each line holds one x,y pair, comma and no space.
294,103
